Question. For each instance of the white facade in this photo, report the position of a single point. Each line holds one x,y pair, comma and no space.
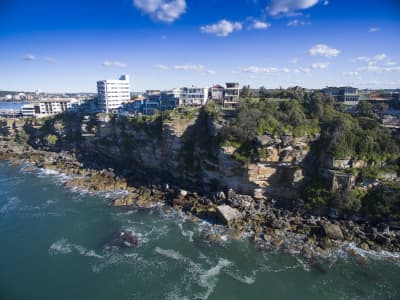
47,107
217,93
193,96
28,110
232,93
113,93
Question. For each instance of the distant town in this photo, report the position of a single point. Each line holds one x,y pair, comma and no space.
115,96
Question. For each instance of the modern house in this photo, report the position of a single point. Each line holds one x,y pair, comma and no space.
193,96
231,96
346,95
113,93
169,99
217,93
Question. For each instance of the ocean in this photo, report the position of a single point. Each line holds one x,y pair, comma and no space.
52,246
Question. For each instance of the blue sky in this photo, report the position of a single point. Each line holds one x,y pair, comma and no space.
60,46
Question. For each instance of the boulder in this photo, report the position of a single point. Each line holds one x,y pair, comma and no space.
333,231
259,194
228,214
123,239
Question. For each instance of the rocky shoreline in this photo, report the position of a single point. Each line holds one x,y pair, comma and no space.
271,228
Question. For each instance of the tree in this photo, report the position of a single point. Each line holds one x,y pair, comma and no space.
365,109
245,92
51,139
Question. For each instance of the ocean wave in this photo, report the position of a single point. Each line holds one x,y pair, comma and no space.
370,254
186,233
63,246
10,205
204,278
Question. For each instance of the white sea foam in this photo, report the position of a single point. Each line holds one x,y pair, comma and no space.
62,246
395,256
186,233
11,204
169,253
207,276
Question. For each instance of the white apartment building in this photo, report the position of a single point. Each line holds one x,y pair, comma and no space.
193,96
232,93
217,93
48,107
28,110
113,93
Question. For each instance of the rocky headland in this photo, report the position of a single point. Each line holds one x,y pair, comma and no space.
178,162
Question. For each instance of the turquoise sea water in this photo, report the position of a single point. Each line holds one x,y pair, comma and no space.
52,247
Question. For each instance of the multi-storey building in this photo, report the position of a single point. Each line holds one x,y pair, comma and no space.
113,93
169,99
217,93
28,110
347,95
47,107
231,97
193,96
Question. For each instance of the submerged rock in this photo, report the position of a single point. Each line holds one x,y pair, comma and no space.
123,239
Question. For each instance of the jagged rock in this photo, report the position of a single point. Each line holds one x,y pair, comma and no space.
124,201
277,243
235,234
333,231
265,140
266,237
258,194
228,214
123,239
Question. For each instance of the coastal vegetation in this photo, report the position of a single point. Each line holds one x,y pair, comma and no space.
290,132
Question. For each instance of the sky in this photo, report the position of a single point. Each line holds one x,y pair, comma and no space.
66,46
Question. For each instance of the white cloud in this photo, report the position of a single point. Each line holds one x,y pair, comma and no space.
50,60
222,28
161,67
361,58
274,70
351,74
294,60
297,22
326,2
189,67
261,70
116,64
377,59
320,65
379,69
211,72
323,50
389,63
259,25
379,63
289,6
162,10
374,29
380,57
303,70
29,57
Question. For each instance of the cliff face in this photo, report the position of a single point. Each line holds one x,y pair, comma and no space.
183,151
